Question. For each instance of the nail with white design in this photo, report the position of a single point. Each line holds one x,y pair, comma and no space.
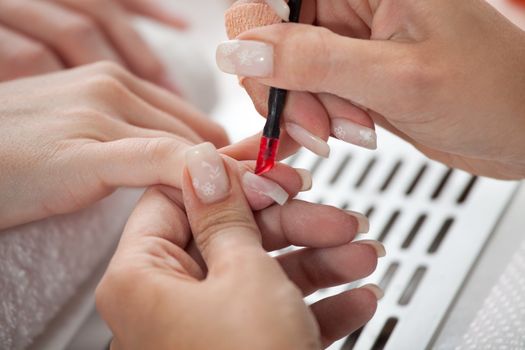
359,135
247,58
281,8
208,173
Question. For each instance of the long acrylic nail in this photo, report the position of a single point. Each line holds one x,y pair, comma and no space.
348,131
265,187
308,140
363,224
247,58
378,247
378,292
281,8
306,178
208,173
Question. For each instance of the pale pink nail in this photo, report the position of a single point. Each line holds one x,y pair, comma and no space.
308,140
378,247
265,187
348,131
363,224
208,174
247,58
378,292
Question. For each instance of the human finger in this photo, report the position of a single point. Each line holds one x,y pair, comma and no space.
22,56
76,37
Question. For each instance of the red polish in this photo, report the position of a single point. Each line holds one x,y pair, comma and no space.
267,155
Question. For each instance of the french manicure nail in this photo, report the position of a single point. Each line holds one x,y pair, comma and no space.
208,174
265,187
378,292
308,140
353,133
306,178
378,247
281,8
247,58
363,224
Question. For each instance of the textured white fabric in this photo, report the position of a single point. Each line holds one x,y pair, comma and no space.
500,323
42,264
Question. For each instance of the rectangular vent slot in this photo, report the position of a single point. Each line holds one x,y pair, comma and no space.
366,172
391,176
414,231
389,225
440,237
385,334
416,180
352,339
388,276
468,189
442,184
340,170
412,286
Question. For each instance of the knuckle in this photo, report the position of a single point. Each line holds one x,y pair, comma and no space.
219,220
108,88
110,68
417,74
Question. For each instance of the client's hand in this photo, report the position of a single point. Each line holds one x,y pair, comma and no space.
159,294
445,75
43,36
71,138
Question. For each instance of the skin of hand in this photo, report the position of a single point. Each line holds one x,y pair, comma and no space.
194,274
43,36
442,74
71,138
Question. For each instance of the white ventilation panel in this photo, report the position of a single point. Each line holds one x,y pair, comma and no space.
433,221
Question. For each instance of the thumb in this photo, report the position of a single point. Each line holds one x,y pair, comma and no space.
303,57
219,214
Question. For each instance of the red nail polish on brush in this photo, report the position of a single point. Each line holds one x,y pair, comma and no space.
276,102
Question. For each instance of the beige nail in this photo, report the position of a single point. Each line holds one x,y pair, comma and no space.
265,187
208,173
350,132
308,140
306,177
363,224
378,292
247,58
378,247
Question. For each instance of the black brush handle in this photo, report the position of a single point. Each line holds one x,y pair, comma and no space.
277,99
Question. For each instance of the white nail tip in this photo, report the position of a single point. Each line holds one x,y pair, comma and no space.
265,187
281,8
353,133
363,224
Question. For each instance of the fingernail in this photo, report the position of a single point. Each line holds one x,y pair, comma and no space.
281,8
378,292
378,247
248,58
265,187
306,178
308,140
208,174
363,224
353,133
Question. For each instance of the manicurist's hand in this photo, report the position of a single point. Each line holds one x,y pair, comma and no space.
71,138
195,273
446,76
43,36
